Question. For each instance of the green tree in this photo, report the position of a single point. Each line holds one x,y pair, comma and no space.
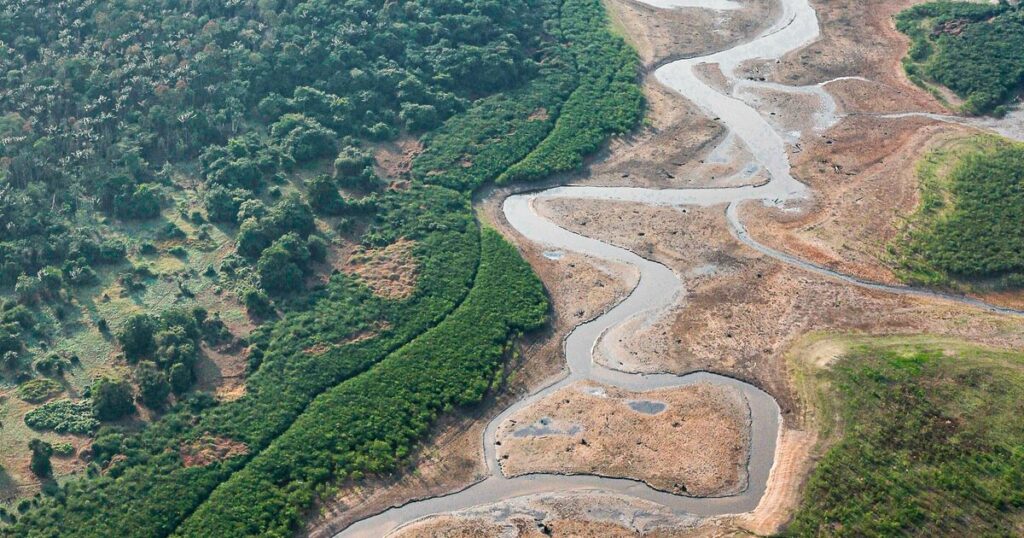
180,378
111,398
324,196
136,337
41,453
153,385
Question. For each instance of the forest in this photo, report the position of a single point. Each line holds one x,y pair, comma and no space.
930,444
971,48
256,121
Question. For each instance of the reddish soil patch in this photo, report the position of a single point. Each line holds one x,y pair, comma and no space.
209,449
391,272
394,159
858,38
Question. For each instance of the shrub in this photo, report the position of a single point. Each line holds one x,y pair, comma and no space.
63,416
154,387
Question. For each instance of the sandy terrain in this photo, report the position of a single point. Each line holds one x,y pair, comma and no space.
390,272
863,175
691,440
577,514
668,151
661,35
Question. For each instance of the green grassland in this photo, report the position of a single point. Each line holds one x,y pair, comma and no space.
968,231
972,48
926,438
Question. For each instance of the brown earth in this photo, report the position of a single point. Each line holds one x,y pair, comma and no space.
697,445
575,514
858,38
661,35
394,159
863,175
390,272
742,310
664,152
209,449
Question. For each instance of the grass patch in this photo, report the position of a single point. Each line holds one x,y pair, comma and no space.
930,441
38,390
969,228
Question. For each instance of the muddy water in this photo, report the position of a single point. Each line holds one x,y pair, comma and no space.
659,287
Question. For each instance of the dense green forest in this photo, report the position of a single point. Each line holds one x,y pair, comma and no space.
257,120
971,48
969,227
932,444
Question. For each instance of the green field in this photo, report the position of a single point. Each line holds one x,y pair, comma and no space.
927,439
968,231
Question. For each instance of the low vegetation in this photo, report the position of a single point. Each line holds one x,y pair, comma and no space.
63,416
929,444
972,48
38,390
969,228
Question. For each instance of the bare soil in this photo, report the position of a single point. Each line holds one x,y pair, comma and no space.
697,444
210,449
661,35
858,39
390,272
863,175
742,310
575,514
394,159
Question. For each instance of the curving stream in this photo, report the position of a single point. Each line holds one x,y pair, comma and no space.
659,287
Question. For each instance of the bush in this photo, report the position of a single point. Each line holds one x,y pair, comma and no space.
971,48
180,378
63,449
154,387
258,304
63,416
324,196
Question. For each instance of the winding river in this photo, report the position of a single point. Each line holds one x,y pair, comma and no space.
659,287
